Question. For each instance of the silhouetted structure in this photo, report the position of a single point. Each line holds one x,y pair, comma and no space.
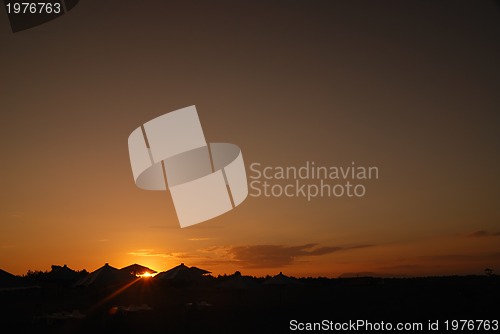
223,304
184,273
238,282
138,270
281,279
63,274
106,275
7,280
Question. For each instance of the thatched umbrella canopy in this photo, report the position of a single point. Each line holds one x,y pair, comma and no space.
281,279
106,275
183,272
7,280
138,270
63,273
239,282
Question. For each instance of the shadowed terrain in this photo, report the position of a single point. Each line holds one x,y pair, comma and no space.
265,305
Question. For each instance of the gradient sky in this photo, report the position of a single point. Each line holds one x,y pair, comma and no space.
411,87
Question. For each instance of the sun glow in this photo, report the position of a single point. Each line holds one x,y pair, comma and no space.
146,275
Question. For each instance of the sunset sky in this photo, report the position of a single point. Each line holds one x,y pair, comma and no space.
412,87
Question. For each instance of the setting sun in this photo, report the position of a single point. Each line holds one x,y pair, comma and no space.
146,275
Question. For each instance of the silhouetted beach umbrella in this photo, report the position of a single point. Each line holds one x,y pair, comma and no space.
106,275
8,280
198,271
281,279
137,270
63,273
239,282
182,272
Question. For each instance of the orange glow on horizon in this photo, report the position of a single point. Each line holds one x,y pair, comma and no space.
146,275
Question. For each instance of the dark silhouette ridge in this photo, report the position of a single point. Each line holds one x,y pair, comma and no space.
106,303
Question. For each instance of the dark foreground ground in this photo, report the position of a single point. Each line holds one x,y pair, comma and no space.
148,306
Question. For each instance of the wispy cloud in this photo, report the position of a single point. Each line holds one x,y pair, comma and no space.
148,253
175,256
461,257
402,267
249,256
271,256
199,239
482,233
